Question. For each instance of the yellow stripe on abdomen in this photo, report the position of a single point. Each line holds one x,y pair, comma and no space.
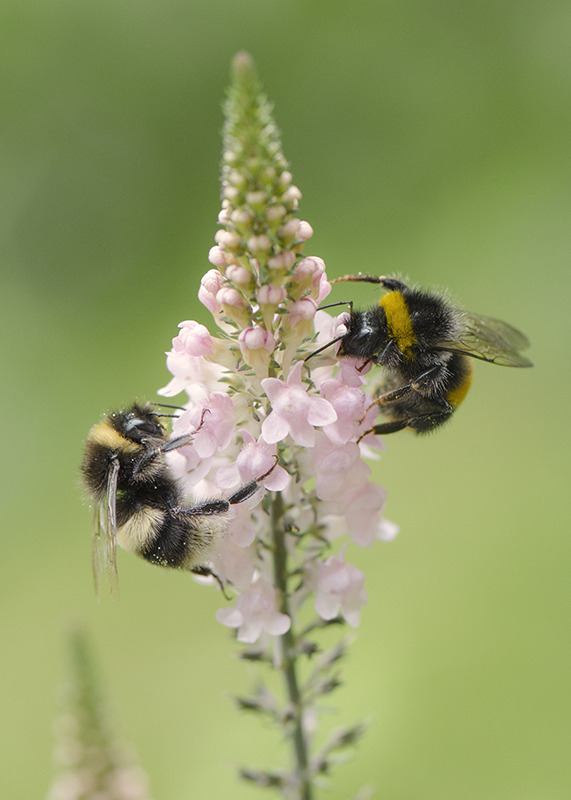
458,394
399,323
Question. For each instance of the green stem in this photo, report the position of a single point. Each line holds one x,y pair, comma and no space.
287,642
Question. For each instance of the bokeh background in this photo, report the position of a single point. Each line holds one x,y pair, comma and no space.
431,139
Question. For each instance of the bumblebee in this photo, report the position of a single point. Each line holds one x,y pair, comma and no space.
139,503
425,345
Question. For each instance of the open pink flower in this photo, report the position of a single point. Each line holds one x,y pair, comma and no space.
340,590
363,510
253,460
255,612
294,410
214,422
349,404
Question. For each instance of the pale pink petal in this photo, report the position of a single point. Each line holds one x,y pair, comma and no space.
278,624
274,428
230,617
321,412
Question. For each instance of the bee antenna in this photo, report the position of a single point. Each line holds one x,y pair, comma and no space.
167,405
359,277
324,347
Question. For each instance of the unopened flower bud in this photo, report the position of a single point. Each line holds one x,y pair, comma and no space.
234,305
256,199
227,239
239,275
283,260
217,256
257,346
259,245
240,217
305,231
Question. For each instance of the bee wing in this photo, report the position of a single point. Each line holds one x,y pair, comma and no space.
105,537
490,340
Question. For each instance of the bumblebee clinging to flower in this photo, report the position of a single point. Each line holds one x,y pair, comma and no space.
425,346
139,503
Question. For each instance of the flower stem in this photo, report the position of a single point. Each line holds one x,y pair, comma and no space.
287,643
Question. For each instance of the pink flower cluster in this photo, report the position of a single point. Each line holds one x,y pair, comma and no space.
249,400
253,400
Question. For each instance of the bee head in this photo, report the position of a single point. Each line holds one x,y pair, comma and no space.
137,424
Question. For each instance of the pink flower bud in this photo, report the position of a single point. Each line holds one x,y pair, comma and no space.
256,199
272,295
275,213
257,338
283,260
259,244
223,217
292,195
241,217
227,296
217,256
239,275
227,239
209,287
194,339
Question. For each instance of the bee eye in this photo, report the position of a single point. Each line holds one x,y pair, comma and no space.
136,427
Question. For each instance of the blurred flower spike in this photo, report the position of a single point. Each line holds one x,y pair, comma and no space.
92,763
263,292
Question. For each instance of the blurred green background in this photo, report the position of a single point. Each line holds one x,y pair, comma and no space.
428,138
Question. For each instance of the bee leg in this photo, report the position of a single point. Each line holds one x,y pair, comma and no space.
185,438
419,384
206,572
386,427
246,491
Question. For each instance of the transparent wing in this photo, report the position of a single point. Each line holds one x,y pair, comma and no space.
105,537
490,340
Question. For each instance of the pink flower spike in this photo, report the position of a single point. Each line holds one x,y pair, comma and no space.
294,410
255,612
340,589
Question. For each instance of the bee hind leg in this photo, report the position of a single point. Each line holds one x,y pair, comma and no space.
206,572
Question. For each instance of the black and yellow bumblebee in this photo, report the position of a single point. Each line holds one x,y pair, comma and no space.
139,502
425,345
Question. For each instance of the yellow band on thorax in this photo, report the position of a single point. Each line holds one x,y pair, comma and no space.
399,323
